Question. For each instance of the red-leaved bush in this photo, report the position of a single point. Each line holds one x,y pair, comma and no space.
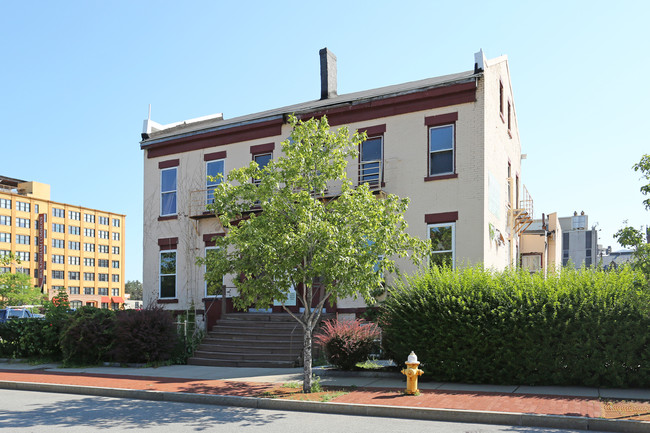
347,342
145,336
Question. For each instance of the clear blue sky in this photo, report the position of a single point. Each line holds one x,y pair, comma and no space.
76,79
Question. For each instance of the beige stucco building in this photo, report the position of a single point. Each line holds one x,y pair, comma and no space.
62,246
450,143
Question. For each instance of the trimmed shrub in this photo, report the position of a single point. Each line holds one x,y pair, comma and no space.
88,336
21,338
579,327
145,336
347,342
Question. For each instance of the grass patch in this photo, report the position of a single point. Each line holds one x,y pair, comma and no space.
292,385
369,364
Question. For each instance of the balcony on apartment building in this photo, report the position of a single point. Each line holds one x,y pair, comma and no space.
370,172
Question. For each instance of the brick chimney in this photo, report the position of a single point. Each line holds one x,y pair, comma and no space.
327,74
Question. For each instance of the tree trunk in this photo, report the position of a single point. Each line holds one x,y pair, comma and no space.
306,357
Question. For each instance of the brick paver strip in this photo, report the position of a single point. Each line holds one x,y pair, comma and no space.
517,403
483,401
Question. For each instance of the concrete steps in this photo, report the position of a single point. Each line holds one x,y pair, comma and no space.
252,340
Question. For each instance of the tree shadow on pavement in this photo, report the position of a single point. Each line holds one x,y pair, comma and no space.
105,412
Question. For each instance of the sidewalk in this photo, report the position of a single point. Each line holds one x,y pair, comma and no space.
621,410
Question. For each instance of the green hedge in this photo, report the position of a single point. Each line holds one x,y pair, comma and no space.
581,327
91,335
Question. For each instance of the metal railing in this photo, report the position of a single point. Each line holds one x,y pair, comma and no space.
370,172
199,201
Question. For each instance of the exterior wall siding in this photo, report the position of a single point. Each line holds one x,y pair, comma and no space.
483,147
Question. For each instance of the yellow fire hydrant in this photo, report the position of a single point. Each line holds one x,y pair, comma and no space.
412,372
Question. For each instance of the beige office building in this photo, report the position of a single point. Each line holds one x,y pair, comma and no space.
62,246
450,143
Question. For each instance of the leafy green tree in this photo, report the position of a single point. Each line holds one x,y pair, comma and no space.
637,238
283,231
134,288
15,287
644,167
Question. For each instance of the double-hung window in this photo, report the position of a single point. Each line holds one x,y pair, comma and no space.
443,244
168,181
371,161
215,171
262,155
371,156
167,274
213,288
262,160
441,150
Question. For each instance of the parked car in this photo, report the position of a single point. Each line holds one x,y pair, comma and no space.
17,313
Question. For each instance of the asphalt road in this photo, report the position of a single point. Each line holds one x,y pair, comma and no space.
28,411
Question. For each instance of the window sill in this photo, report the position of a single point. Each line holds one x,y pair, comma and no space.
168,217
441,177
167,301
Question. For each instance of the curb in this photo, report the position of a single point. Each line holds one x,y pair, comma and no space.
430,414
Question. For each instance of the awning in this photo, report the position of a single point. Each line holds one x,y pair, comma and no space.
106,300
117,300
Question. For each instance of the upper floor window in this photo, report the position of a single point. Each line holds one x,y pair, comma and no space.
5,203
509,116
22,222
116,222
89,218
371,161
22,206
74,215
103,220
58,213
215,172
262,155
262,160
441,150
501,95
441,146
5,220
168,191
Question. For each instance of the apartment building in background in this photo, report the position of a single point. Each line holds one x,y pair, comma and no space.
450,143
579,241
61,246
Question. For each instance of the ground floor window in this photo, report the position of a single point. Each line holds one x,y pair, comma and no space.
443,244
167,274
75,304
212,288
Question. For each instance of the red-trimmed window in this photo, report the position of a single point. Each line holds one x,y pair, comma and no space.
168,185
215,169
441,162
371,156
262,155
167,275
441,230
